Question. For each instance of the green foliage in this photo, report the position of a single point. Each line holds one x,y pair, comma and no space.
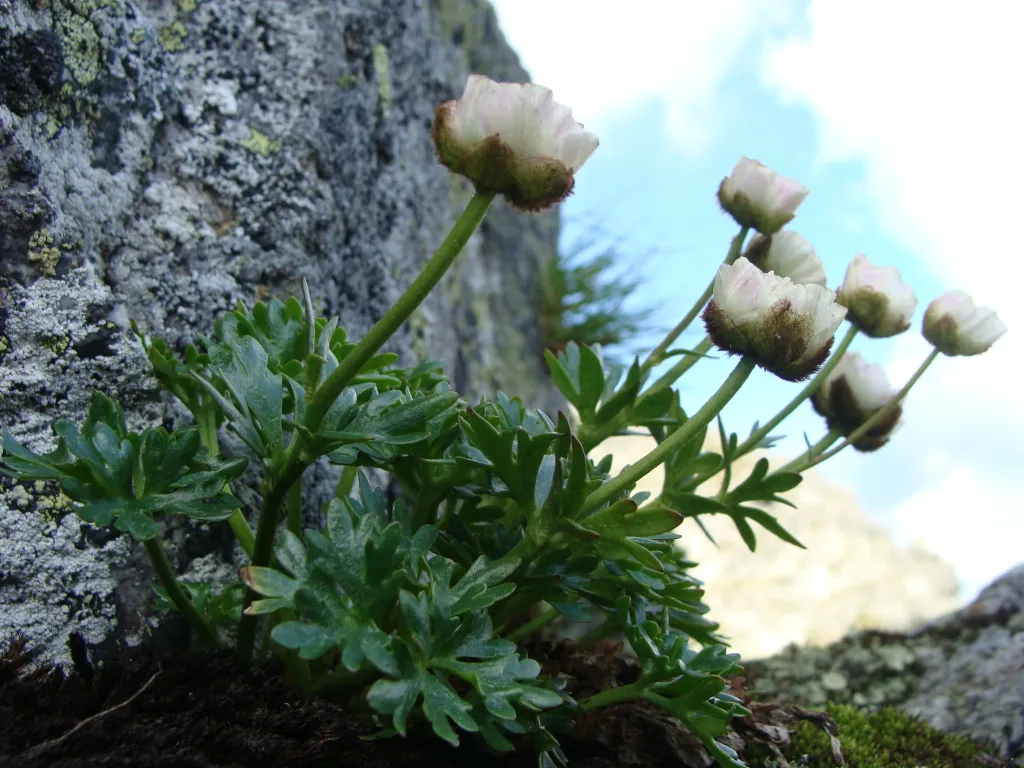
584,298
887,738
411,602
116,476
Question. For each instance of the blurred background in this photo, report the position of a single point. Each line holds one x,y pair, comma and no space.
903,120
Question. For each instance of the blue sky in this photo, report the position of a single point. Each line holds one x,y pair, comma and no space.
901,120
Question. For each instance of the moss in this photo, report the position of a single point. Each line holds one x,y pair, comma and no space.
382,67
887,738
260,143
43,252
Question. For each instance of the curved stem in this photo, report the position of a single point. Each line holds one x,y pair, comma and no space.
393,319
879,415
688,431
797,464
614,696
164,572
655,357
812,386
533,625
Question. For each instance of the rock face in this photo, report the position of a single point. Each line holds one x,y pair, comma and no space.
961,673
162,160
851,576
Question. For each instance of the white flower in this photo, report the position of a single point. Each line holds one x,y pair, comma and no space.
758,197
880,303
852,393
788,328
787,254
513,139
956,327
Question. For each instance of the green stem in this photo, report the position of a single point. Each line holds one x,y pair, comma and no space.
879,415
294,504
656,354
263,548
164,572
812,386
393,319
614,696
688,431
295,463
797,464
533,625
206,420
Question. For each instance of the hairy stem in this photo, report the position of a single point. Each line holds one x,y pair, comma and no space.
812,386
688,431
879,415
659,351
392,320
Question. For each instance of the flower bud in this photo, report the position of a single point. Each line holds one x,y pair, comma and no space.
851,394
787,254
880,303
955,326
512,139
787,328
758,197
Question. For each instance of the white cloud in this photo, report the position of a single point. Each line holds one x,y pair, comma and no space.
602,58
925,96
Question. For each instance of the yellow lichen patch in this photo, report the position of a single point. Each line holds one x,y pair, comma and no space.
80,44
260,143
43,252
172,37
5,344
186,6
56,344
382,67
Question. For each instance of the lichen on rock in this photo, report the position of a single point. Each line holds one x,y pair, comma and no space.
183,156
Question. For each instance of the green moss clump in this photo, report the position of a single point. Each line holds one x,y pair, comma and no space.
887,738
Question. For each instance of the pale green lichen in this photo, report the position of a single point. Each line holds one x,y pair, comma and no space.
382,67
138,35
346,80
260,143
56,344
43,253
186,6
172,37
5,345
79,41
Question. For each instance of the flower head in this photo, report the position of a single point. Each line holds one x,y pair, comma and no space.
758,197
851,394
787,254
880,303
512,139
955,326
788,328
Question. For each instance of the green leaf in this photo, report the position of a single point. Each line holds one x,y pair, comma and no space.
591,378
561,377
623,519
255,405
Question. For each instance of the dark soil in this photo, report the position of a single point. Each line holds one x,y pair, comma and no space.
200,709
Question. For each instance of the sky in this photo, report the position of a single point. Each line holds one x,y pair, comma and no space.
903,120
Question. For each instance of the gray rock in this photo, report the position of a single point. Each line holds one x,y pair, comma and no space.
962,673
161,161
